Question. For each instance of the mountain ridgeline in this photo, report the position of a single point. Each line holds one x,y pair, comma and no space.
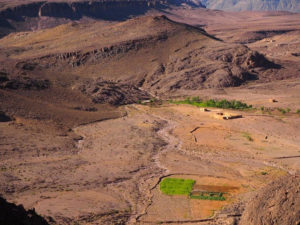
28,15
33,15
253,5
110,10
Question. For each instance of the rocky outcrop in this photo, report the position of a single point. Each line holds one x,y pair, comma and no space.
79,58
277,203
231,67
26,83
102,91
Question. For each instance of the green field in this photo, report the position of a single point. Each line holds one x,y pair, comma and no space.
217,196
176,186
224,104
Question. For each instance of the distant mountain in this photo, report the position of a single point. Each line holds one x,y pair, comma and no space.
24,15
253,5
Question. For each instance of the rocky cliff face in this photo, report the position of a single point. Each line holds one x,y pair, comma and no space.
109,10
253,5
20,11
17,14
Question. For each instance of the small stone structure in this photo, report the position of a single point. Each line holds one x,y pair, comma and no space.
272,100
227,116
204,110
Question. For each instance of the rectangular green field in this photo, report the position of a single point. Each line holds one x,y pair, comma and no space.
176,186
217,196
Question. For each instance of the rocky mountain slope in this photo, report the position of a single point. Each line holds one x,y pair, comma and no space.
253,5
278,203
148,54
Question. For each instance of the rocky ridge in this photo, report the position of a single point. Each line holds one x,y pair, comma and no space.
178,56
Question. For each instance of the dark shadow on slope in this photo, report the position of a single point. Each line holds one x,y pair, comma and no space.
11,214
259,60
4,117
107,10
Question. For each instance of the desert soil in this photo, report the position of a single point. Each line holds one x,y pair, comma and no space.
111,174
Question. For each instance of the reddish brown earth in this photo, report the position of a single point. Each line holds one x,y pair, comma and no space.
277,203
75,148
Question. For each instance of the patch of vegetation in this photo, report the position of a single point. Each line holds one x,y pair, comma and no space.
266,110
152,100
176,186
217,196
281,110
298,111
288,109
247,136
263,173
224,104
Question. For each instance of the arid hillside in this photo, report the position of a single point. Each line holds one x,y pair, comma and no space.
150,54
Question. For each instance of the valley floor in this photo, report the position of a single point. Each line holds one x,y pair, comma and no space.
110,173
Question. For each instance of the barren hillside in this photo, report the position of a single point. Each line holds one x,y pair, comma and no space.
152,54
